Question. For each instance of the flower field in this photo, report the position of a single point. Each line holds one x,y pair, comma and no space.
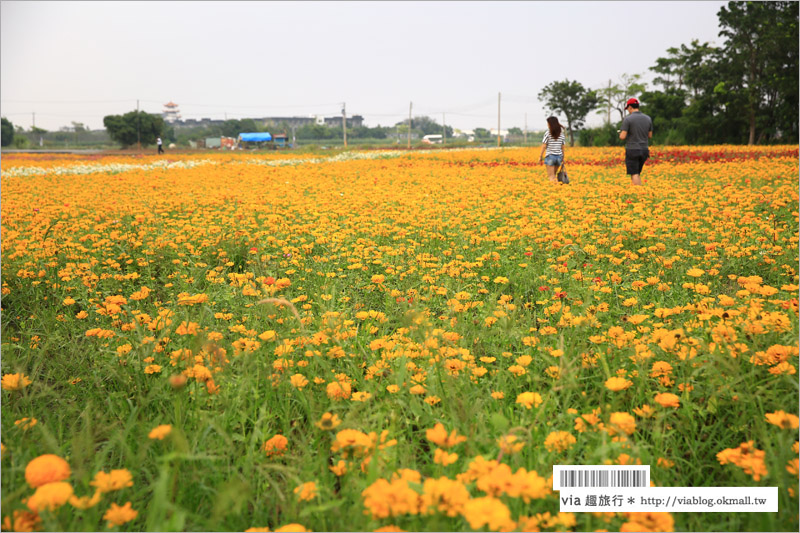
394,340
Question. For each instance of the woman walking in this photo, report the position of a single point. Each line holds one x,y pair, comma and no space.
553,145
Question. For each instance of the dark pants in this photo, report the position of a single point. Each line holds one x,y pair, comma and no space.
160,149
635,158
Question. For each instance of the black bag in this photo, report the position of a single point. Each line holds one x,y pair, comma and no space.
562,175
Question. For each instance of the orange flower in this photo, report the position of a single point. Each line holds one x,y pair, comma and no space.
276,445
782,419
50,497
337,390
119,515
115,480
47,468
438,435
12,382
160,432
617,384
529,399
667,399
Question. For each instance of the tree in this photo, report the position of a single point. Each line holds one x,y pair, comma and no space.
572,99
761,54
424,125
482,134
133,127
614,96
6,132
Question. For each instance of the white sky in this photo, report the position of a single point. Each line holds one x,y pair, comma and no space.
80,61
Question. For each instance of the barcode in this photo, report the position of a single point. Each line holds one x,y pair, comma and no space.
603,478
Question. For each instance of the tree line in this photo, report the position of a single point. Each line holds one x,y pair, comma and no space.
744,91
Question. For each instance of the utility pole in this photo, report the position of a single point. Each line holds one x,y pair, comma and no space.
525,133
444,131
498,120
138,128
608,95
410,104
344,124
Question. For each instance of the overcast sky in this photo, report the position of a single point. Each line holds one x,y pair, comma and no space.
80,61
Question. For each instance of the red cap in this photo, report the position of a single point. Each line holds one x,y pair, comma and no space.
631,101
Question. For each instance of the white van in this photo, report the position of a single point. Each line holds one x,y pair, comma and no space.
432,139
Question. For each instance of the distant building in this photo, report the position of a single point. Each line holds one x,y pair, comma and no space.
354,121
171,112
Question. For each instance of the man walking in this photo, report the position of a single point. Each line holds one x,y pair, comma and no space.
160,147
637,129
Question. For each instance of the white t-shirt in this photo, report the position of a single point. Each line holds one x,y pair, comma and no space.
554,146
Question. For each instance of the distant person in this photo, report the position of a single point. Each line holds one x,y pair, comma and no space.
160,145
553,145
637,129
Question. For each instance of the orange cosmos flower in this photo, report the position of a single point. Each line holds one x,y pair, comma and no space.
46,469
782,419
529,399
617,384
667,399
276,445
119,515
160,432
337,390
50,497
438,435
115,480
12,382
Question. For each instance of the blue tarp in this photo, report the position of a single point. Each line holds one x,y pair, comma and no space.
255,137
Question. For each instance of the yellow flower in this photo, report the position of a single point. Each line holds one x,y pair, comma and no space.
361,396
510,444
50,497
115,480
307,491
444,495
695,272
438,435
559,441
648,522
26,423
47,468
443,458
617,384
85,502
328,421
159,432
119,515
12,382
298,381
667,399
621,422
529,399
337,390
782,420
22,521
487,511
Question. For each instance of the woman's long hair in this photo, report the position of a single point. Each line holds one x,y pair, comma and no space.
555,127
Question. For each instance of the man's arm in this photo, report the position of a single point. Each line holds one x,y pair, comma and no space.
623,134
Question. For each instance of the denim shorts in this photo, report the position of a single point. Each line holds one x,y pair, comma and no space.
553,160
